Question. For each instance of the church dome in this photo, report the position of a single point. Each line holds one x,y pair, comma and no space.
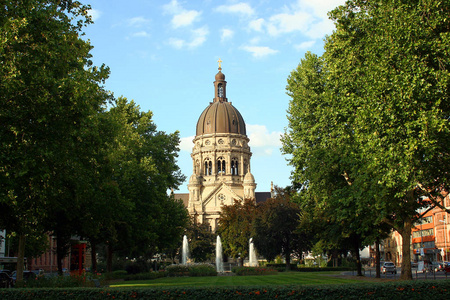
220,76
194,179
221,117
249,178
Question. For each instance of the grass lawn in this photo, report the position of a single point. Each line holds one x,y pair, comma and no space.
284,278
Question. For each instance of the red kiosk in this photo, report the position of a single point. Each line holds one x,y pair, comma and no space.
78,257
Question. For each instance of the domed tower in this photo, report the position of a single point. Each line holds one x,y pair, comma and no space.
221,158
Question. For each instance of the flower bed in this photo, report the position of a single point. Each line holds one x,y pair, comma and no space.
388,290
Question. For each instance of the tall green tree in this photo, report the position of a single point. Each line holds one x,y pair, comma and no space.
384,118
235,228
49,89
143,163
201,242
277,228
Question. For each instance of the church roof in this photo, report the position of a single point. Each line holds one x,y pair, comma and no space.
220,116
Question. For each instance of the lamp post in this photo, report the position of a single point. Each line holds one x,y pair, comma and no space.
445,237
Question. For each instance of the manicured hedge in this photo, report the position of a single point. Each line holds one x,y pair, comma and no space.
282,267
244,271
389,290
195,270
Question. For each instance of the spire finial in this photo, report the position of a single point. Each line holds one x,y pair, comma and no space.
220,64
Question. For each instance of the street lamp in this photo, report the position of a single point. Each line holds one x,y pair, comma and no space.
445,237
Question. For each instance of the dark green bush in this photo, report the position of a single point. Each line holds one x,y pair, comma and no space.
282,268
146,276
191,270
388,290
242,271
119,274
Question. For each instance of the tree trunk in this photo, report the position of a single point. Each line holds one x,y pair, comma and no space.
358,257
20,260
59,253
109,258
94,257
377,258
288,255
405,232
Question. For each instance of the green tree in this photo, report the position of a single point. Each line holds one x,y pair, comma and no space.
384,117
276,228
235,227
201,242
143,162
49,89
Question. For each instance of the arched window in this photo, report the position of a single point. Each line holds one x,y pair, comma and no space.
221,166
208,167
234,166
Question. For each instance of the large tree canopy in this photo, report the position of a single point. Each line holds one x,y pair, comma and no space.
49,90
376,114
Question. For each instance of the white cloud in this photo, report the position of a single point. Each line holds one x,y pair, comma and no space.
138,21
261,137
198,37
238,8
257,24
287,23
185,18
226,34
305,45
186,143
181,17
259,51
141,34
177,43
172,8
320,8
95,14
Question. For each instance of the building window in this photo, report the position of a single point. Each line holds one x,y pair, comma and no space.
424,245
424,220
221,198
422,233
221,166
208,167
234,166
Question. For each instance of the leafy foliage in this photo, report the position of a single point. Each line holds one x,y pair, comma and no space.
235,227
276,227
369,119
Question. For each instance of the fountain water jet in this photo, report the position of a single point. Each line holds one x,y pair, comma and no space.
252,260
219,258
185,251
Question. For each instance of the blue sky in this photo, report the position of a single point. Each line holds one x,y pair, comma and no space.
163,55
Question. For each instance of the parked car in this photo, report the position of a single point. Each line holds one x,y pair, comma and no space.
27,275
5,280
437,266
447,267
388,267
38,272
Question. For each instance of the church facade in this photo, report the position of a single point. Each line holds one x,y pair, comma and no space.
221,159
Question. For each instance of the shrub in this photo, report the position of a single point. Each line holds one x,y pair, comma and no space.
119,274
191,270
242,271
146,276
430,289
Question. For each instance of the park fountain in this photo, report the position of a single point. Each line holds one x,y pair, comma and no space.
219,258
185,251
252,260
